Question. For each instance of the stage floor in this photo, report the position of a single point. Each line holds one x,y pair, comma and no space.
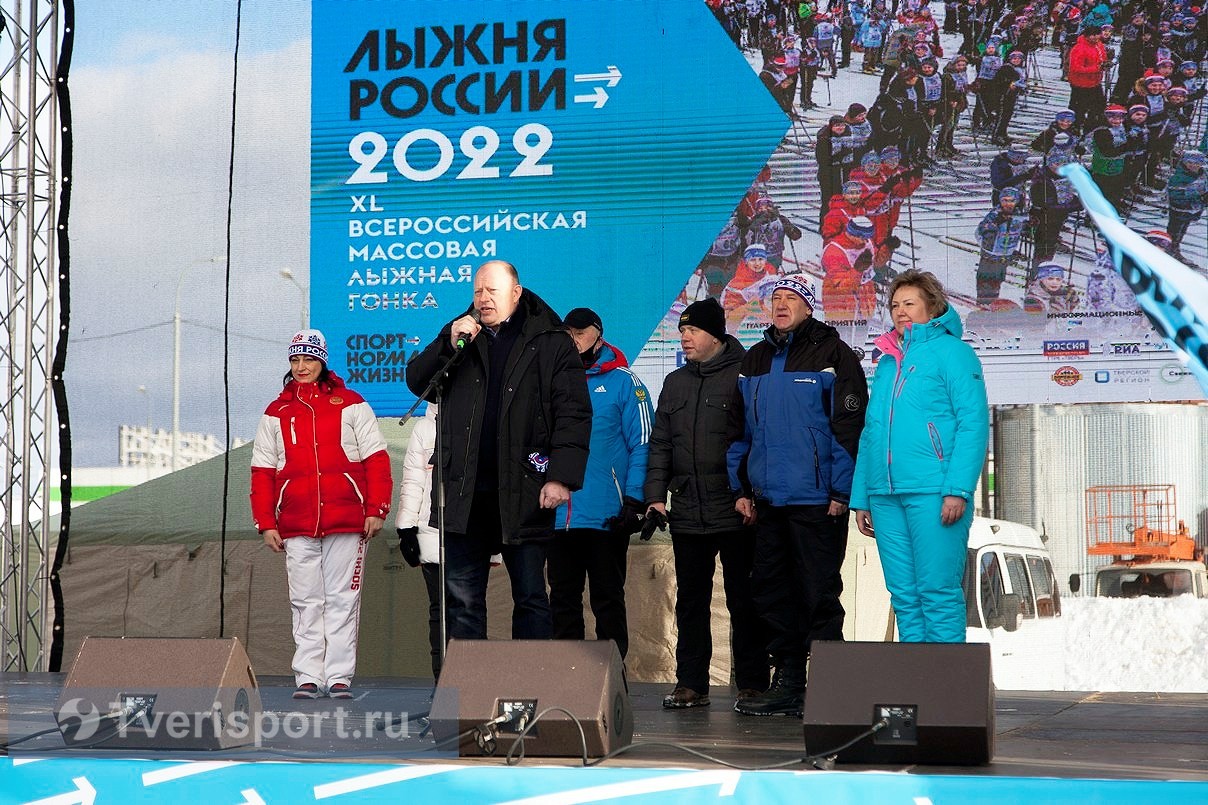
1105,736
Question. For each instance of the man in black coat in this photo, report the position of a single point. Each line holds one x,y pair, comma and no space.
835,153
515,422
1002,92
688,459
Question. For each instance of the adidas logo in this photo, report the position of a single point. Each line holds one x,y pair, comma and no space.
600,388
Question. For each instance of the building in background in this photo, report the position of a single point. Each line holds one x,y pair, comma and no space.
143,453
1047,456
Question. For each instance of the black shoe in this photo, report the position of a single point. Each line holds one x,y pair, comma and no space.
785,697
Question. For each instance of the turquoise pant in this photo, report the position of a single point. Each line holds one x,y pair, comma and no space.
923,561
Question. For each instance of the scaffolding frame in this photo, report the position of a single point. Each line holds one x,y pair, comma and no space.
30,240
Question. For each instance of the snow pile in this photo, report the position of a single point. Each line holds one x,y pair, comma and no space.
1136,644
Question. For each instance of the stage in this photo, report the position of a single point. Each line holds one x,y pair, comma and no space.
1062,746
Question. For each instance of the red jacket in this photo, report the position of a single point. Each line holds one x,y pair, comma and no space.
1086,63
840,212
319,463
846,291
892,210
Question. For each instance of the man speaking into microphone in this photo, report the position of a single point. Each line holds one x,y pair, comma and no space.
515,424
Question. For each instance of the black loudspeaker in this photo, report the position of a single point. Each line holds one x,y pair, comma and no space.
937,697
159,693
485,680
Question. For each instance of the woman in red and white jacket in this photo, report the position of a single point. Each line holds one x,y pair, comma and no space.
321,489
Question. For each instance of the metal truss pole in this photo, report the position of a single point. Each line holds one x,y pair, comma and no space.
29,139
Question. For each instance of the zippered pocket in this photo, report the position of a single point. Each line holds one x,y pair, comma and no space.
936,444
353,483
281,496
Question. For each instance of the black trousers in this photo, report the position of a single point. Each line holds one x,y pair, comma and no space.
695,563
1113,186
796,580
1087,104
1048,235
586,554
1006,111
468,563
431,572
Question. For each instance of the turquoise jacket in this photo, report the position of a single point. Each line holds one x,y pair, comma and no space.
928,419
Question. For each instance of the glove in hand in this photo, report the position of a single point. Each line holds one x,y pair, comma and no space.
629,519
408,543
655,520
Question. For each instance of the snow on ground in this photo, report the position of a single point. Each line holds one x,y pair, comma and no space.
1108,644
1135,644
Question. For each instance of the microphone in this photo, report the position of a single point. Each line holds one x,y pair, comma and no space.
466,338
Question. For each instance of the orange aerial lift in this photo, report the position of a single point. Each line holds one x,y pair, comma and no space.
1152,552
1136,523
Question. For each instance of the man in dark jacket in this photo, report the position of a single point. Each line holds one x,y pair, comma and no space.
797,415
688,459
515,422
1053,201
1003,91
835,154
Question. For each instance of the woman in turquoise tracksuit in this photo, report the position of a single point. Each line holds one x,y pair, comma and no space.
920,456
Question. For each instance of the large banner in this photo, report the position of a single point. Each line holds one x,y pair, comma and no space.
590,144
624,156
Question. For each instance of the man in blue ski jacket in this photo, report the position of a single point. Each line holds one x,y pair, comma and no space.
797,415
591,536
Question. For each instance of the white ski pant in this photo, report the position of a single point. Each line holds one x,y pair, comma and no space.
325,578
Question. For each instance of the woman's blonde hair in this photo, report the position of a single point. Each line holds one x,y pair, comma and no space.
929,287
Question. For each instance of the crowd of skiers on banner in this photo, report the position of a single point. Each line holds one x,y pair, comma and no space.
1133,119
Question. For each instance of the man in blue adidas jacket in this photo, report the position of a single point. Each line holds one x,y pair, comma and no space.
592,532
798,412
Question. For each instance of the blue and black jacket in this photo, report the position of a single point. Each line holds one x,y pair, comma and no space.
622,417
796,420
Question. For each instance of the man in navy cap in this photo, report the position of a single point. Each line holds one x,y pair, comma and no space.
592,530
796,417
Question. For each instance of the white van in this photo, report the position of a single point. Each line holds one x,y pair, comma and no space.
1009,578
1157,579
1011,601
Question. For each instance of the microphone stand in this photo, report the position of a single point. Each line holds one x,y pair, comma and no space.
436,387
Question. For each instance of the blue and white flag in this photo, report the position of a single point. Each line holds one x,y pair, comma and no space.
1173,297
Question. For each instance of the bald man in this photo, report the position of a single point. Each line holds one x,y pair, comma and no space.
515,423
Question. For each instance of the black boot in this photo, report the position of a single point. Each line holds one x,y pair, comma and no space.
784,698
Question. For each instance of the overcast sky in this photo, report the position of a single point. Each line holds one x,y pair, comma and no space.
151,87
